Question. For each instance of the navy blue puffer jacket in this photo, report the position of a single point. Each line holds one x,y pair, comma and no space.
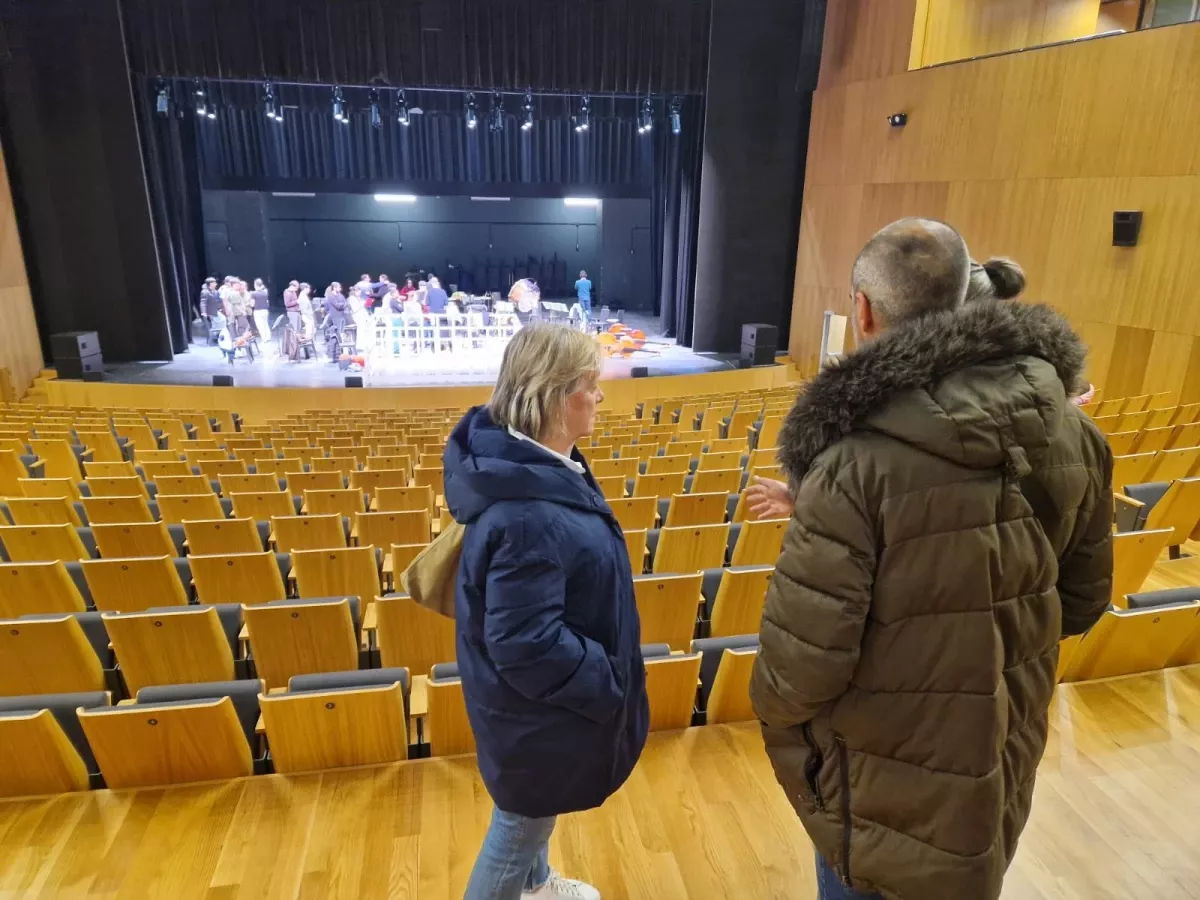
548,633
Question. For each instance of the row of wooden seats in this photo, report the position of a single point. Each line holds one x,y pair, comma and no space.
1161,465
695,548
70,742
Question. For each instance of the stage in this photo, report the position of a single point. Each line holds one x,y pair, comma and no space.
479,366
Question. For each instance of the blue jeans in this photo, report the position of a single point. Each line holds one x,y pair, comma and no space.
515,857
830,887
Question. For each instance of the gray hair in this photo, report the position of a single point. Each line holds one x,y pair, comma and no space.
912,267
542,364
999,278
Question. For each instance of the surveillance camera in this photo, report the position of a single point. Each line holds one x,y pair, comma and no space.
898,120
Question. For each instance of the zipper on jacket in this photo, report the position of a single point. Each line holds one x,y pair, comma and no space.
844,773
812,767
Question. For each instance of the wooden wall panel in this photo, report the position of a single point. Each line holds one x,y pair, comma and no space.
1029,155
961,29
861,39
20,346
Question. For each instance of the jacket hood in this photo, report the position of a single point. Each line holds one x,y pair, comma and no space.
971,385
485,464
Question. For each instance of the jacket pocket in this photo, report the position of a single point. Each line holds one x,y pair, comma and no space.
812,766
844,776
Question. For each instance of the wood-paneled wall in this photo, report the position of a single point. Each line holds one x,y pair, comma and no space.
20,347
961,29
1028,155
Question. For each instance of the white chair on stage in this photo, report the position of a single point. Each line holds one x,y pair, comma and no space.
413,324
504,320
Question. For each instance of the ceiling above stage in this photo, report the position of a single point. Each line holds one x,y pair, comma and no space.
600,46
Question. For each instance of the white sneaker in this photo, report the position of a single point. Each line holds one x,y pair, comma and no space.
559,888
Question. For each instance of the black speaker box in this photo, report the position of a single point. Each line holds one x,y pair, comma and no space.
1127,227
756,334
79,367
640,372
74,344
758,356
354,381
222,381
94,376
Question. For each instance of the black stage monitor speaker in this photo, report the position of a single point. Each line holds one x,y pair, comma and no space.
639,372
76,353
758,343
1127,226
354,381
222,381
94,376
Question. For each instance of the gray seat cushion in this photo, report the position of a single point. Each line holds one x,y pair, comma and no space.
335,681
655,651
244,695
1155,599
63,707
444,671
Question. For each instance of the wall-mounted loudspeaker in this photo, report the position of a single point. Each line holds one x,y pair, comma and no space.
1127,226
222,381
354,381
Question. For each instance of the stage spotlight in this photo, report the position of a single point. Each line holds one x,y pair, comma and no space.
528,123
646,119
676,118
496,121
376,116
201,100
339,105
583,120
395,198
163,104
270,104
472,116
402,109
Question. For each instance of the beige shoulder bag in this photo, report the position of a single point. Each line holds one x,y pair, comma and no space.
431,577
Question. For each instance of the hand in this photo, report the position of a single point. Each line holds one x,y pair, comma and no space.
768,499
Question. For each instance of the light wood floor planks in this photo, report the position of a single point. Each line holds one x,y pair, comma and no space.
1114,819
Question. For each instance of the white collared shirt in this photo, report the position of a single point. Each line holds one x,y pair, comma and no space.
565,460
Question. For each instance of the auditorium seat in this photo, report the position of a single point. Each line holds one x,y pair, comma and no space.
176,509
112,510
43,749
303,637
715,481
133,584
613,487
42,543
1128,641
687,550
667,607
219,536
696,509
130,485
52,487
248,578
258,483
635,513
727,695
350,571
1134,555
315,532
261,506
734,597
446,729
176,645
1158,505
53,654
337,720
1132,469
757,543
38,587
45,511
636,546
382,529
400,498
178,734
345,502
671,687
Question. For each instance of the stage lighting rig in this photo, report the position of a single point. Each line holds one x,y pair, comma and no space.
163,103
676,118
496,121
402,109
584,120
528,123
271,105
339,106
472,115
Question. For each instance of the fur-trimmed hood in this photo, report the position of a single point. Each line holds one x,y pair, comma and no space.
954,383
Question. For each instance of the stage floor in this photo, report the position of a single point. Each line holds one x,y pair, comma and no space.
200,363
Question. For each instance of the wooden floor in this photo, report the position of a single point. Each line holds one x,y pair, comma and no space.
1114,817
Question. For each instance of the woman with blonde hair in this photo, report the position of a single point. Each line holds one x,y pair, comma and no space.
548,634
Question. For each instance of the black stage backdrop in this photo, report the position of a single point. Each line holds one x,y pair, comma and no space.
107,192
602,46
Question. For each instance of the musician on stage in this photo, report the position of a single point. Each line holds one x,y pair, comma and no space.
291,302
210,300
436,297
262,310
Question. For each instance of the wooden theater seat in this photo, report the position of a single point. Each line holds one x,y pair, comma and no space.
50,487
635,544
635,513
345,571
1127,641
42,511
447,728
412,637
717,481
345,502
294,637
759,542
671,687
185,646
117,510
158,744
37,587
612,486
691,549
176,509
402,498
667,608
247,578
1134,555
37,758
42,543
696,509
307,532
118,486
131,539
737,603
133,584
729,699
47,656
382,529
660,486
312,731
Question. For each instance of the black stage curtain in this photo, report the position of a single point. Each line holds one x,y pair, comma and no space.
614,46
675,210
